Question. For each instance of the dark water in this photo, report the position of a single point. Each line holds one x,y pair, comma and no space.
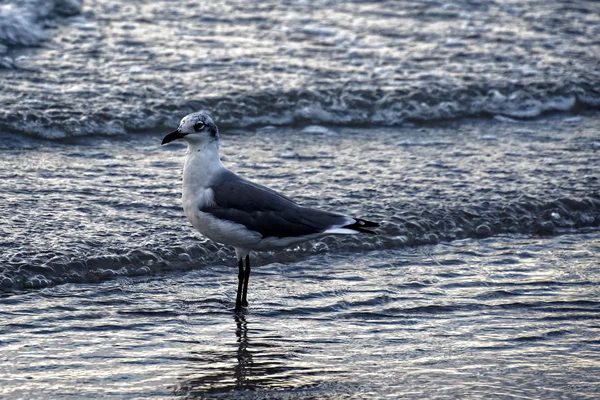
469,130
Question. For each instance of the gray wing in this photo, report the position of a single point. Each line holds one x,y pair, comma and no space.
265,211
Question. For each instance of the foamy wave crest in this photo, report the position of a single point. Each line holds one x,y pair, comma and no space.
372,106
525,216
392,108
368,106
22,22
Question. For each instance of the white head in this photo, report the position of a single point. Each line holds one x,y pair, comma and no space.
197,129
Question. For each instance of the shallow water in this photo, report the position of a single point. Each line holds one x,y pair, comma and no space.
96,208
482,281
504,317
143,306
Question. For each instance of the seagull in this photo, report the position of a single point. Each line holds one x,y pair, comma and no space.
231,210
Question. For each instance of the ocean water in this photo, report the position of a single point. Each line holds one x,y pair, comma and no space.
504,317
468,129
112,67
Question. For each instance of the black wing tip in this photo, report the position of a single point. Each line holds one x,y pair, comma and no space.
361,224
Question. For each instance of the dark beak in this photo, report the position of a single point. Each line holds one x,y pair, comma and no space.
172,136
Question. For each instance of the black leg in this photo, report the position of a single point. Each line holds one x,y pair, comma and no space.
246,279
238,299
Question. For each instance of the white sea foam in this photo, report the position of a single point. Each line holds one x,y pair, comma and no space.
22,22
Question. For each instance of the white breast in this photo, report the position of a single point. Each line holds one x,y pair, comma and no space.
200,170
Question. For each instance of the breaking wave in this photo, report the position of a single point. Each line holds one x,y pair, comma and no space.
347,107
24,22
525,216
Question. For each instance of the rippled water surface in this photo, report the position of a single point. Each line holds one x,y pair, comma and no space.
97,208
506,317
468,129
474,307
118,67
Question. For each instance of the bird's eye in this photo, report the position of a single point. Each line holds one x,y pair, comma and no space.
199,126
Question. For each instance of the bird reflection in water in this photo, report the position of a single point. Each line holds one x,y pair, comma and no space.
256,363
244,357
215,369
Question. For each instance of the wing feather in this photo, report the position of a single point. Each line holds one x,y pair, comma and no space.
265,211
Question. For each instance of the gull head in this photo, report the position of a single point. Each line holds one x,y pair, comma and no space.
196,129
